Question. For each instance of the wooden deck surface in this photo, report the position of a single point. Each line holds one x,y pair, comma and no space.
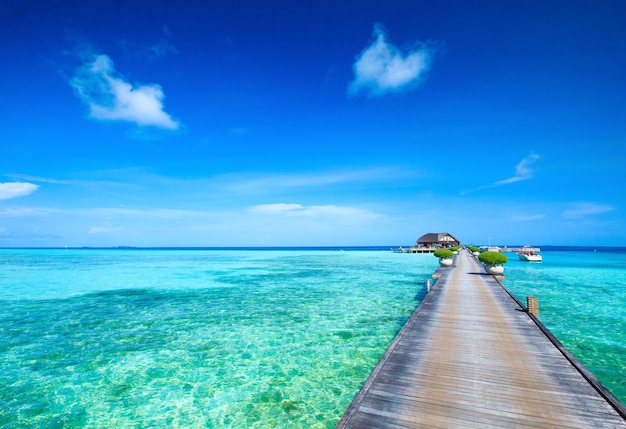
471,357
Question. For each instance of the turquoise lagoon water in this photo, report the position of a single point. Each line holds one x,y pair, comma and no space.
582,300
247,338
183,338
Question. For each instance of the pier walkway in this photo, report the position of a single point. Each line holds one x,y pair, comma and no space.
470,356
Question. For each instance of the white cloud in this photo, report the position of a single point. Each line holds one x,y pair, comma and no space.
108,212
23,212
382,67
523,170
527,217
272,182
110,97
38,179
325,211
16,189
279,208
140,213
585,209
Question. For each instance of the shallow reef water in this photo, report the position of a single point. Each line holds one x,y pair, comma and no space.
246,338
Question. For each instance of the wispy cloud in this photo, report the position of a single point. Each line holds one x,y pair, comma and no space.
39,179
97,185
108,212
321,211
23,212
10,190
245,183
523,171
128,183
579,210
279,208
382,67
153,51
110,97
158,213
164,45
527,217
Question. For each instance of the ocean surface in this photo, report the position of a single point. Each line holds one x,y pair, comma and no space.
248,338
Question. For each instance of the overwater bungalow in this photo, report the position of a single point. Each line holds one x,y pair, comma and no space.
438,240
430,242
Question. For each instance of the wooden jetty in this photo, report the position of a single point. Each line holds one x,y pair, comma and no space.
471,356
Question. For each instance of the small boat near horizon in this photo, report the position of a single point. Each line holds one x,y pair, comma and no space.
527,253
490,248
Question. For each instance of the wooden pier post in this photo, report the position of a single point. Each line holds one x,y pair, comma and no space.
532,303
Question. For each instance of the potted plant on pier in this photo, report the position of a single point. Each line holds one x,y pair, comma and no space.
493,262
475,250
455,249
445,257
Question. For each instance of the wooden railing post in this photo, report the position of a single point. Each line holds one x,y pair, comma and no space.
533,305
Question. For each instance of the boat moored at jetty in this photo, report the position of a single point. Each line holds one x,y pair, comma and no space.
528,253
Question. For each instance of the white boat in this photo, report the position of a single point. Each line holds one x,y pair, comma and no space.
489,248
527,253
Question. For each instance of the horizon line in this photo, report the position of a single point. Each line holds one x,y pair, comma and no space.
275,247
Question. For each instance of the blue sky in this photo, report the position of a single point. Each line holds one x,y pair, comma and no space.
305,123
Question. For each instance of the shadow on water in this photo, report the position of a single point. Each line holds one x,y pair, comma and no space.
421,294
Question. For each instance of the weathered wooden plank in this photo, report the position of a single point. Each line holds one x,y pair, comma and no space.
486,402
458,413
470,356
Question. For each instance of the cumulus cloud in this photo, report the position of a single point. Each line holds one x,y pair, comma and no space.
382,67
110,97
585,209
16,189
523,170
